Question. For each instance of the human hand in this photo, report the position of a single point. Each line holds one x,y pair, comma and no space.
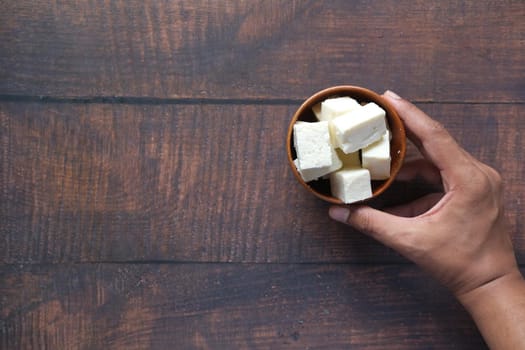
459,235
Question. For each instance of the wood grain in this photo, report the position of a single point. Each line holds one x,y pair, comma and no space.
145,198
446,51
209,183
229,306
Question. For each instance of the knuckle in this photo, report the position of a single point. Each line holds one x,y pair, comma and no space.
478,185
495,178
487,180
485,189
437,131
436,128
365,222
481,181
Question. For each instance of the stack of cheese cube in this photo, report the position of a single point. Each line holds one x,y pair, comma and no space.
350,144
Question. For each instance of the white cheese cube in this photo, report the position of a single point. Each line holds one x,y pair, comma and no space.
296,163
337,164
351,184
359,128
334,107
317,110
315,154
376,158
350,159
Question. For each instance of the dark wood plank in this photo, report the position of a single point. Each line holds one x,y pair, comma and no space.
454,50
91,183
229,306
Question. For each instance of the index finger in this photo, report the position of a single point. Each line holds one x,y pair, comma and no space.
433,140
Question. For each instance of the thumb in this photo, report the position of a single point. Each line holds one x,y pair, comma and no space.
377,224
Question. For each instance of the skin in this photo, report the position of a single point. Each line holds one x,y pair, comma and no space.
459,234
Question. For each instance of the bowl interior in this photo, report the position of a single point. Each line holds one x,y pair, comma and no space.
321,187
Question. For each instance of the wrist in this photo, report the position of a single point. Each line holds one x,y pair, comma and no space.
498,309
493,290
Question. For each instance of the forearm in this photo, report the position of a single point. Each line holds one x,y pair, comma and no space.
498,308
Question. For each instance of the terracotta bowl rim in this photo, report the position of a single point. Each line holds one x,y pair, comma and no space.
362,95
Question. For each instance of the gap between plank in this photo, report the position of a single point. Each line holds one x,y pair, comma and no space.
133,100
238,263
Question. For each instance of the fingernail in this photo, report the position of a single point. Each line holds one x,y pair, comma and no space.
339,213
392,95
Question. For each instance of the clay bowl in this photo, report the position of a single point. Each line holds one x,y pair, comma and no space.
321,187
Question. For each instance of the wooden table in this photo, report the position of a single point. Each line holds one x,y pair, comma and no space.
145,197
